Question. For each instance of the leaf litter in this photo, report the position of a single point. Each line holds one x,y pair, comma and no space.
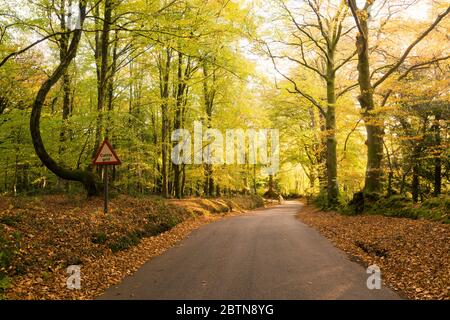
50,233
413,255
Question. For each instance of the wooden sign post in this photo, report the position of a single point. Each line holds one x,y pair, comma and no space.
106,156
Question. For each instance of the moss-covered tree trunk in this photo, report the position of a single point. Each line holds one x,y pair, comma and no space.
164,87
415,184
373,124
331,142
177,123
437,160
209,92
102,45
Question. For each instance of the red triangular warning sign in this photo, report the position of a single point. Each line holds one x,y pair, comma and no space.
106,155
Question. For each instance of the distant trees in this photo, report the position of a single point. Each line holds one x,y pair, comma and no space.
419,107
315,42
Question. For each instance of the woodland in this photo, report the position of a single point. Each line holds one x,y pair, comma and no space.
357,89
357,92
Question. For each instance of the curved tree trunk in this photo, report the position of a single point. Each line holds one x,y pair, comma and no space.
86,178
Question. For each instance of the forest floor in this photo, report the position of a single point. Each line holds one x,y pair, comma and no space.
413,255
41,236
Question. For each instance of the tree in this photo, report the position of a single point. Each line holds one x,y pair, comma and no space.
316,37
373,123
415,131
85,177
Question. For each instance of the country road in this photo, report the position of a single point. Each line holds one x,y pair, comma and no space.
265,254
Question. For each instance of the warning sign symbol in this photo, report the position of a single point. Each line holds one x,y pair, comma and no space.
106,155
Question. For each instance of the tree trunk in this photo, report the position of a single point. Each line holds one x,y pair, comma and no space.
181,85
254,179
373,124
271,191
164,85
209,92
322,156
66,83
209,180
102,59
85,177
437,160
63,47
415,186
110,90
183,179
330,122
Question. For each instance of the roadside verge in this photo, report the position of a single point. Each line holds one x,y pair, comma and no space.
413,255
43,236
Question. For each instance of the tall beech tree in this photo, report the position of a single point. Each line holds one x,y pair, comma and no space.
209,96
373,122
315,38
103,69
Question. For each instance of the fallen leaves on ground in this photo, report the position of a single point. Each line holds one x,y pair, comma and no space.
414,255
56,231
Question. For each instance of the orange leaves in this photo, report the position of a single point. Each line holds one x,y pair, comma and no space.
414,255
57,232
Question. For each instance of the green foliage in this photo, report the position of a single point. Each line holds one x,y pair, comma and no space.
99,237
442,202
395,206
5,283
164,220
125,242
132,118
11,220
320,201
436,209
198,36
8,249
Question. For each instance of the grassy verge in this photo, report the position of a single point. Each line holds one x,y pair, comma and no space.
436,209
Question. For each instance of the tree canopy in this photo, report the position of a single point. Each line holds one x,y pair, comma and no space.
359,91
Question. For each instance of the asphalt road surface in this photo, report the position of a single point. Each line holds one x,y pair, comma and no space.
265,254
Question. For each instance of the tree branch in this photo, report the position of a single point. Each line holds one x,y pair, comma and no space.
411,46
297,90
16,53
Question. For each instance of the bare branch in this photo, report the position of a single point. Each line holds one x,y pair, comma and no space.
411,46
302,63
405,74
347,89
297,90
350,57
348,137
16,53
